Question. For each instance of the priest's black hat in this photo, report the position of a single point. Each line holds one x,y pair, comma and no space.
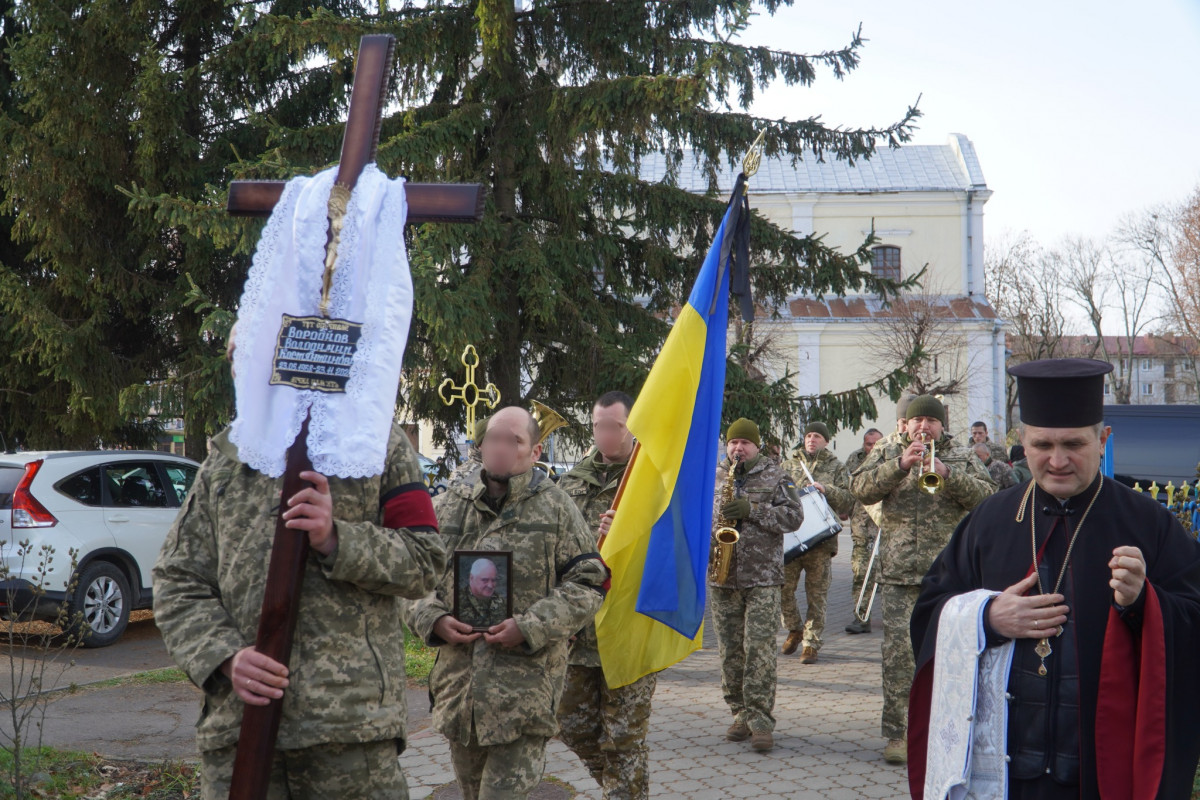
1061,392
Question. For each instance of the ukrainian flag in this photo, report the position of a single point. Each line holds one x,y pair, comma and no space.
657,546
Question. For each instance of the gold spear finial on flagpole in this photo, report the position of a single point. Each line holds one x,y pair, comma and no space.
753,157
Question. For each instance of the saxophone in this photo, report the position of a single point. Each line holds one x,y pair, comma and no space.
726,535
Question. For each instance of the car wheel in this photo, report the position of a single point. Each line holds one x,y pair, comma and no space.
100,605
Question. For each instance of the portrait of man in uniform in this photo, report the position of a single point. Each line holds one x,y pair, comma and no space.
481,596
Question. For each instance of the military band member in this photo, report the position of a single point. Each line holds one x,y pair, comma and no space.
979,435
831,479
916,525
745,605
1001,472
495,693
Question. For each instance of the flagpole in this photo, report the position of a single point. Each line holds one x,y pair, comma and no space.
637,447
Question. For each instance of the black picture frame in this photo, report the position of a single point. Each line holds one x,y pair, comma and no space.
467,602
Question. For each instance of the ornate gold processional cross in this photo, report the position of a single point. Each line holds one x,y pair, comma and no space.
469,392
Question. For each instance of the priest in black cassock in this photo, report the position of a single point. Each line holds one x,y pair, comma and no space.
1098,591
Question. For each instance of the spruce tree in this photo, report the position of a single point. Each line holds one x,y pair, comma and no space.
566,287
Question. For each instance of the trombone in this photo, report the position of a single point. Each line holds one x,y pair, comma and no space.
859,614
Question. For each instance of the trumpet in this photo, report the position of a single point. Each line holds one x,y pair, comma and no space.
929,481
727,535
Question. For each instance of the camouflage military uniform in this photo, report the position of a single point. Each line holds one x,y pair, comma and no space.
1001,473
916,527
817,563
480,612
998,451
465,477
605,727
1021,471
346,671
745,608
862,531
497,706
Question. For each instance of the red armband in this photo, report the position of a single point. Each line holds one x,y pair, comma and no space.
409,506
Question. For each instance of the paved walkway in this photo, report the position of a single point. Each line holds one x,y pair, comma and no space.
827,740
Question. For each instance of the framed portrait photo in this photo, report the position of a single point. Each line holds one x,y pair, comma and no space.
481,587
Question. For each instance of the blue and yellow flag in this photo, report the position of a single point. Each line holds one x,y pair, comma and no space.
657,546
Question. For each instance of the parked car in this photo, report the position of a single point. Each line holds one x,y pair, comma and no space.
114,507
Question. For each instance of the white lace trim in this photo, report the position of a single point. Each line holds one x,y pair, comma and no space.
347,433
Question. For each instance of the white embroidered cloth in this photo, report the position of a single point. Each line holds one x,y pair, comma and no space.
348,432
968,716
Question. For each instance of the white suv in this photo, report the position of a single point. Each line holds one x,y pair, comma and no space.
114,507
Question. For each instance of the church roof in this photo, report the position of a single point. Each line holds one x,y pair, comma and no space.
953,166
869,307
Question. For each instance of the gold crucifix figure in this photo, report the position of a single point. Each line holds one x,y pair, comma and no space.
469,393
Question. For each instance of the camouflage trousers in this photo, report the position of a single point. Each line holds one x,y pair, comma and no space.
898,663
607,729
817,566
354,770
499,771
746,621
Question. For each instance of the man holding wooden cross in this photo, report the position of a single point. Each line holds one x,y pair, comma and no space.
314,454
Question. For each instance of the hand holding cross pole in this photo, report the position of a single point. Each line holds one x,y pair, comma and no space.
289,551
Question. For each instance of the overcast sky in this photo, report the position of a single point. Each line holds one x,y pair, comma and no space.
1080,112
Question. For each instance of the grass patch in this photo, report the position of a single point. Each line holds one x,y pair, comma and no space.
150,677
73,776
418,658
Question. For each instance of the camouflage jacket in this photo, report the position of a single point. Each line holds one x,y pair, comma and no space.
482,613
774,510
917,525
347,663
862,518
593,486
557,586
466,475
829,472
998,451
1001,473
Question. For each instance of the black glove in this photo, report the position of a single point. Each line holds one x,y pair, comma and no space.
737,508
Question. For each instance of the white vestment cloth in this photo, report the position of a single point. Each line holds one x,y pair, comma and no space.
348,431
968,715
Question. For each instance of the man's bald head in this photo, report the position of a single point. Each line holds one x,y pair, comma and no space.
511,445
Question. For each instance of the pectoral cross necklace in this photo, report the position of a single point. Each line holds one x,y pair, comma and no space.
1043,649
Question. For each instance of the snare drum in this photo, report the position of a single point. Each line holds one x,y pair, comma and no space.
820,523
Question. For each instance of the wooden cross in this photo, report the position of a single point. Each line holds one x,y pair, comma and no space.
427,202
469,393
